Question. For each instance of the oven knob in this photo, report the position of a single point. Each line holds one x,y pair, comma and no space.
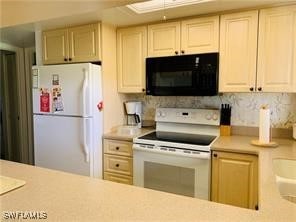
215,116
158,114
208,116
162,114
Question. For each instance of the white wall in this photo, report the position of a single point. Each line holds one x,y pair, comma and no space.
113,101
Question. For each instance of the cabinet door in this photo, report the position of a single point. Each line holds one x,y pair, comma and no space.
131,54
238,52
277,50
200,35
164,39
84,42
234,179
55,46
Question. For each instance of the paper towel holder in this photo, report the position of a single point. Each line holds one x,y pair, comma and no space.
264,134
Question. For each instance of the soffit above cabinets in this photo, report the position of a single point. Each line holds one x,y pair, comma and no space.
154,10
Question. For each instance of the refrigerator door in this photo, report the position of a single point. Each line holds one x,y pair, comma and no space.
64,143
74,81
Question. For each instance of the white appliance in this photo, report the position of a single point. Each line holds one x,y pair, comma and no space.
134,113
176,157
68,135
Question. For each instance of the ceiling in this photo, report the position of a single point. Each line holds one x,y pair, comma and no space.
124,16
117,13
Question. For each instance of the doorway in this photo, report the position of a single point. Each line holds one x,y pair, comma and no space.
9,108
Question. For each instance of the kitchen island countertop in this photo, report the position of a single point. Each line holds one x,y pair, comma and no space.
68,197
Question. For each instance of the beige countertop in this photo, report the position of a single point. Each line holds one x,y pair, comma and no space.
114,135
68,197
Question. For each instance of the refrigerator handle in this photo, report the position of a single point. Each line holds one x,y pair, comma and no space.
85,146
84,92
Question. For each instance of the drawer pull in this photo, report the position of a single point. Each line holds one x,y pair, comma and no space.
117,148
117,165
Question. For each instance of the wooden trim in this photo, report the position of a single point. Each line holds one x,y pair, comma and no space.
22,101
28,76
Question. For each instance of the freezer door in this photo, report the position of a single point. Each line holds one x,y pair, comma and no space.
75,83
63,143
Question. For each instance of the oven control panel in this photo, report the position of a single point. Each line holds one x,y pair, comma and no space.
193,116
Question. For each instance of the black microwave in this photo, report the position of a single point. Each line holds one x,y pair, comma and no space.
186,75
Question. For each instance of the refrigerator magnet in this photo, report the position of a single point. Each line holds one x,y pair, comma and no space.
44,100
35,79
57,100
55,80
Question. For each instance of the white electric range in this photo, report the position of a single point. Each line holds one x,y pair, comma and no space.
176,157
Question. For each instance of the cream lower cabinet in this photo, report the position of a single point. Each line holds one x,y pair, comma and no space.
235,179
277,50
69,45
131,55
238,52
192,36
118,161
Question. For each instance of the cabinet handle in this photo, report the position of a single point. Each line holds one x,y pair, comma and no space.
260,89
65,59
215,155
252,89
143,90
182,51
117,148
117,165
176,52
70,59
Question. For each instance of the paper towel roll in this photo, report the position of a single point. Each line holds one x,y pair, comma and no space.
264,125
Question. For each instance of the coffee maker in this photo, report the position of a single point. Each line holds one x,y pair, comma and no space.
133,111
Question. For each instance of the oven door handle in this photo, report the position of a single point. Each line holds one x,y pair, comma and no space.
178,152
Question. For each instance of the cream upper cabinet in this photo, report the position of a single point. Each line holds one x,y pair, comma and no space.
277,50
164,39
235,179
192,36
200,35
75,44
238,52
131,55
55,46
84,43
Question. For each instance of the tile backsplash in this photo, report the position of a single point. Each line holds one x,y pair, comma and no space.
245,106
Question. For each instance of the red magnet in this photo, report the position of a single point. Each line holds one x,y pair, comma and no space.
100,106
44,102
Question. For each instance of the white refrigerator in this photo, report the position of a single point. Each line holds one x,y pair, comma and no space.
68,119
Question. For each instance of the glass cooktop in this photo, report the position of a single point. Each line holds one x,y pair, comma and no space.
195,139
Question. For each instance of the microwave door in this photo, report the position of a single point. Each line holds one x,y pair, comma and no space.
187,75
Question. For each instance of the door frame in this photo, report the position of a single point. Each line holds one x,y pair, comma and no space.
22,84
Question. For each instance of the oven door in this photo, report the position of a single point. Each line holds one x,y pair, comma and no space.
173,173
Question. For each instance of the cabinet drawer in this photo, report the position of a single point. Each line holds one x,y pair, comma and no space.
118,147
118,164
118,178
